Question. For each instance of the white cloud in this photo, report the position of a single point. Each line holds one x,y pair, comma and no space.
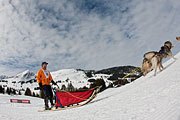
84,34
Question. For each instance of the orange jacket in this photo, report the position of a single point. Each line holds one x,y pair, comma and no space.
42,78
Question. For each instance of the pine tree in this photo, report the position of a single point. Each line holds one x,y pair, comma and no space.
1,89
13,91
34,95
63,87
8,91
28,92
70,87
37,95
99,82
19,93
67,80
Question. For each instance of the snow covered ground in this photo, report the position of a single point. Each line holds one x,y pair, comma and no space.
148,98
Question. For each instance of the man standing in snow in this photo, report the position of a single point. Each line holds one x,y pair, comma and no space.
44,79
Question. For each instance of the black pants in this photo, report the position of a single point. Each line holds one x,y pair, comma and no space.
48,95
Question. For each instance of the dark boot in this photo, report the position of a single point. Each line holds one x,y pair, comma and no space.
51,101
46,104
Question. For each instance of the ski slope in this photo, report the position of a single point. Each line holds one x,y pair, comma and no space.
148,98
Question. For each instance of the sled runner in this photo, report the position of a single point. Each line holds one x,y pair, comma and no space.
68,100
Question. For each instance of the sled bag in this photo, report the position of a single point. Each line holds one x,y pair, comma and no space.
69,98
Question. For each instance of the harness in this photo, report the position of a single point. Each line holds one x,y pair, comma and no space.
149,60
163,50
46,73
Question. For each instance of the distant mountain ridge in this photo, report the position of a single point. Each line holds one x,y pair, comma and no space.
77,78
115,72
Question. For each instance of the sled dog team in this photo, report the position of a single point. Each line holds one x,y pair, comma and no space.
154,59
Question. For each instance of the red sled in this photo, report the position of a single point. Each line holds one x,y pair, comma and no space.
75,98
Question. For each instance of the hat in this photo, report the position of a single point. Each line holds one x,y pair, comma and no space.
44,63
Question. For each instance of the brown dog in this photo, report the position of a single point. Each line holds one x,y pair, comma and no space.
154,59
178,38
166,50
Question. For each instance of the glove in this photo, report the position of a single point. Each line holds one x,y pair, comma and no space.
40,85
58,87
53,82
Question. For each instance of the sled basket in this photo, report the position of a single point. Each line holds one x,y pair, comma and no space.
71,98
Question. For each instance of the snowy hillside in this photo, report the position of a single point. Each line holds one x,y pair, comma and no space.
27,79
78,78
62,77
148,98
25,76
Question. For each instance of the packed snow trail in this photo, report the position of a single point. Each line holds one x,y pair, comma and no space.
147,98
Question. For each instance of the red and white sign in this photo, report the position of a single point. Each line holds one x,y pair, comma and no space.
19,101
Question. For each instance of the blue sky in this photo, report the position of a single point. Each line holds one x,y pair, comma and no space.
86,34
